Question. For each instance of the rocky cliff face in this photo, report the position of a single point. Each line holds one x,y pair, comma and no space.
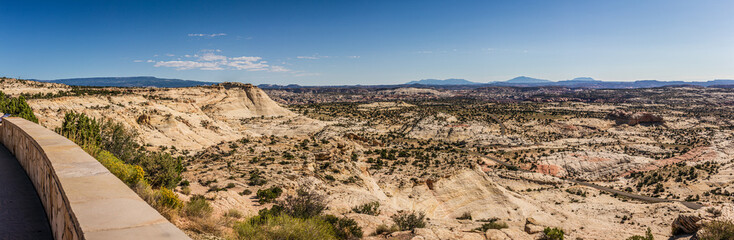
187,118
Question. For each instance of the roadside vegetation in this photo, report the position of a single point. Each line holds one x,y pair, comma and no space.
151,174
298,216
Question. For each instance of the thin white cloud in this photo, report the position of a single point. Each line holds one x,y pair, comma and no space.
305,74
207,35
353,57
312,57
137,60
186,65
278,69
209,60
212,57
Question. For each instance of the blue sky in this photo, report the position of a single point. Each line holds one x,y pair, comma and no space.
368,42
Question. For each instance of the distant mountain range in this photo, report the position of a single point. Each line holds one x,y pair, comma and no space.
522,81
143,81
450,81
581,82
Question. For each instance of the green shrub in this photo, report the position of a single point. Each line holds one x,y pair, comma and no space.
344,228
370,208
284,227
81,129
197,206
256,179
120,141
648,236
266,213
552,234
129,174
304,204
492,224
409,221
168,198
163,170
716,230
268,195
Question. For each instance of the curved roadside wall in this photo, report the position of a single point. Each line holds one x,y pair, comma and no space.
83,200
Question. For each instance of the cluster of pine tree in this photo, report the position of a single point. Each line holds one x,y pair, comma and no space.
16,107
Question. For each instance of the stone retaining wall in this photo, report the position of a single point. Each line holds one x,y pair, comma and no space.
83,200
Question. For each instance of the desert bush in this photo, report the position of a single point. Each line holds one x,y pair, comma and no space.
465,216
233,213
370,208
648,236
285,227
344,228
268,195
163,169
266,213
197,206
129,174
409,221
209,225
168,198
164,201
384,229
308,206
552,234
120,141
304,204
716,230
256,179
494,224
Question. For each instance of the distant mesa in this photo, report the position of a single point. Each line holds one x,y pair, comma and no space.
524,79
450,81
276,86
583,79
142,81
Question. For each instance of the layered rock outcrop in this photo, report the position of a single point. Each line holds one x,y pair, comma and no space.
624,117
